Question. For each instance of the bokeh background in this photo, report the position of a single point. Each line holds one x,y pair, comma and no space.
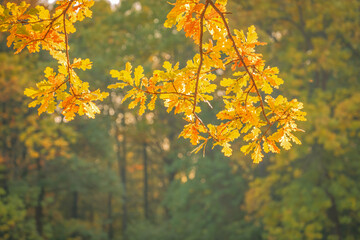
126,177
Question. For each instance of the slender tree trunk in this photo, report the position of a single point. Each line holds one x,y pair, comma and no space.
121,158
4,173
39,213
74,210
123,179
92,214
146,183
110,226
110,218
333,214
170,179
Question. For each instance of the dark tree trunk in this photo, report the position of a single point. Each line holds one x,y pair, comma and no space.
74,210
110,218
121,158
4,174
92,214
39,212
170,179
146,184
334,216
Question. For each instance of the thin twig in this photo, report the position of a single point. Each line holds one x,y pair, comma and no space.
214,69
240,57
25,22
276,120
49,26
67,51
57,17
162,93
201,55
206,128
247,94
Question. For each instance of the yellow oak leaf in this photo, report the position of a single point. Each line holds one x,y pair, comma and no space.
226,149
251,35
257,156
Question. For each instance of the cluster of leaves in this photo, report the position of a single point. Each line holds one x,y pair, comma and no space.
33,28
249,110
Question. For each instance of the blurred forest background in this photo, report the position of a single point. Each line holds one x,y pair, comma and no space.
121,176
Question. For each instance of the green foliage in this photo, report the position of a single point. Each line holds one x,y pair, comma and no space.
77,230
204,203
12,212
205,200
